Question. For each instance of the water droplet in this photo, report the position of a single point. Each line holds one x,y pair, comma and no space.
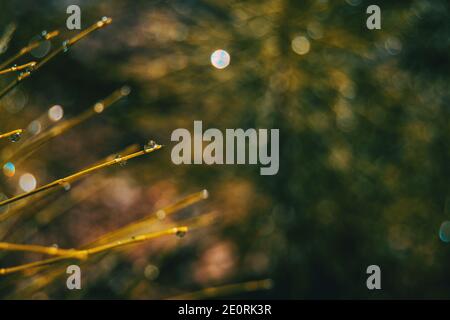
444,231
65,45
9,169
150,145
125,90
4,208
180,233
121,162
15,137
44,34
66,185
55,245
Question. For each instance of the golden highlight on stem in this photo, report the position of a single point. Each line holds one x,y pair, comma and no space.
38,249
128,230
19,209
62,182
63,48
84,253
70,42
228,289
18,68
135,239
11,133
201,221
153,217
29,48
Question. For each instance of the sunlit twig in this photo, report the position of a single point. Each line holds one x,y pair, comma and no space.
11,133
29,147
84,253
45,37
64,181
225,290
23,205
29,65
63,48
162,213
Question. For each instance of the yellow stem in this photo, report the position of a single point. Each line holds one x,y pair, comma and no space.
9,134
84,253
63,48
28,48
68,179
18,68
135,226
135,239
53,251
226,290
29,147
70,42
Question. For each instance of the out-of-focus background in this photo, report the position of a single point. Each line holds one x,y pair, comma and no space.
364,152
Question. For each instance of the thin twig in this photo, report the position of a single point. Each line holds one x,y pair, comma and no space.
68,179
84,254
19,209
29,147
38,249
30,65
11,133
153,217
124,232
225,290
63,48
45,37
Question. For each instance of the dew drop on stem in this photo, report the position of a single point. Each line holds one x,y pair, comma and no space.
180,233
65,45
150,145
120,161
15,137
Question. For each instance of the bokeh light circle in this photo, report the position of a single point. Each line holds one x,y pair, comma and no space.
301,45
444,231
220,59
27,182
42,49
9,169
35,127
55,113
